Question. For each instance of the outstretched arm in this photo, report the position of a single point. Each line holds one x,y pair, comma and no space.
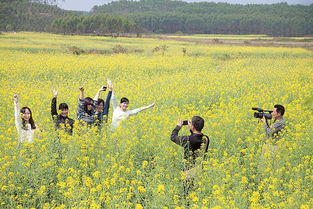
114,102
81,95
135,111
80,109
54,103
18,123
107,102
180,140
147,107
98,94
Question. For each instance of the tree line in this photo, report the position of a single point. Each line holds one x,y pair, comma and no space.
100,24
165,16
158,16
40,15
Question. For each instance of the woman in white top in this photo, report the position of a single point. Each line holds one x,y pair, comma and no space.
120,112
24,122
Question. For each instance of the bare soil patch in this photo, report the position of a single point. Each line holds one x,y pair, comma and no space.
275,42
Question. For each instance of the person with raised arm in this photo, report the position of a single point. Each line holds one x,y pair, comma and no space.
61,120
102,108
24,122
120,111
86,108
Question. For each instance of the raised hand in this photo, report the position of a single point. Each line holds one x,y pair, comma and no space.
55,92
81,95
15,97
110,85
180,122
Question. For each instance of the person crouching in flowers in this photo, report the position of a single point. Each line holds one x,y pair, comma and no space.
24,122
121,113
61,120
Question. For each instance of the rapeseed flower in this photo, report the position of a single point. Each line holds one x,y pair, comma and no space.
137,165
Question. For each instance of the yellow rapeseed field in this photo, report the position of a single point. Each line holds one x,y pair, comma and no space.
137,166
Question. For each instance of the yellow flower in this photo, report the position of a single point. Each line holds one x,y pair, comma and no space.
96,174
138,206
255,197
244,180
141,189
144,164
41,190
161,188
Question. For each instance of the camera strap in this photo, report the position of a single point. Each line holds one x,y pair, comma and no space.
207,139
267,123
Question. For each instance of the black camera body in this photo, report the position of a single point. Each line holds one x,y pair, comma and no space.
267,114
185,122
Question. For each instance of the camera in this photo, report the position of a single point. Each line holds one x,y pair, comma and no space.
104,88
262,113
185,122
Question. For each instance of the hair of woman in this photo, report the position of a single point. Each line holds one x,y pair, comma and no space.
88,101
31,120
101,101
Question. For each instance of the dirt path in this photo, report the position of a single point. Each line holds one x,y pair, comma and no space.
253,42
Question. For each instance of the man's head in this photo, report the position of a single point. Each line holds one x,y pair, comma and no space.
124,103
278,111
63,107
197,124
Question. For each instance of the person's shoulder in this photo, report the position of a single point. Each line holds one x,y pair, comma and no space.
280,121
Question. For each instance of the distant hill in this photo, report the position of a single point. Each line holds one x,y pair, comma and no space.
159,16
126,7
24,15
165,16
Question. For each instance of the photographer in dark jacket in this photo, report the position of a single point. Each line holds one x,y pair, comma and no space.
61,120
193,142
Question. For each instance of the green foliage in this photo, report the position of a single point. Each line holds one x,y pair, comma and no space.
215,18
159,16
29,16
99,24
124,7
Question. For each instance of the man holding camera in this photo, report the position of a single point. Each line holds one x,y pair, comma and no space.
193,142
279,123
269,148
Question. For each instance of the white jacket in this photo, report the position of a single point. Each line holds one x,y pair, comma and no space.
119,114
25,134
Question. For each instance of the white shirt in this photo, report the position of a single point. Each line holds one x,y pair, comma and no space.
25,134
119,114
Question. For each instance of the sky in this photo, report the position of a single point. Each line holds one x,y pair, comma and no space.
86,5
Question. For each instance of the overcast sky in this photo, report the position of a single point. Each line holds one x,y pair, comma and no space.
86,5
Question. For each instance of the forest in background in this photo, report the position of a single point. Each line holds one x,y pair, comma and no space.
159,16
